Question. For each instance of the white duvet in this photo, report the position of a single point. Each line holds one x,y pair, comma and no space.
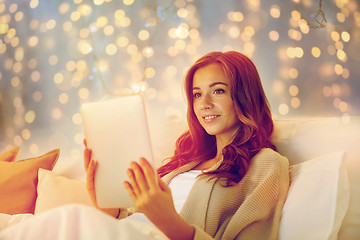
76,222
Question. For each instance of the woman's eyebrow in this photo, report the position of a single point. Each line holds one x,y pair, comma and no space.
217,83
212,85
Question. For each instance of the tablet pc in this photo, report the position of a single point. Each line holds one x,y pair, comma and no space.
117,132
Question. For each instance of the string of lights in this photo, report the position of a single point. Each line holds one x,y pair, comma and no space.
54,56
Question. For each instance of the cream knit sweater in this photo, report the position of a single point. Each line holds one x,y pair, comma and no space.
249,210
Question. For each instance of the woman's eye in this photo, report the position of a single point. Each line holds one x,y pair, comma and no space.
219,91
196,95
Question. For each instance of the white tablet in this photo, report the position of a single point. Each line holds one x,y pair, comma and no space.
117,132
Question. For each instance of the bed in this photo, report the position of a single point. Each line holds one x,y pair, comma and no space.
323,200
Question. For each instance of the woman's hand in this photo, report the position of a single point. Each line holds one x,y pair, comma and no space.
152,196
90,168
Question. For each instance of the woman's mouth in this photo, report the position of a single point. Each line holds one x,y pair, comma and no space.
210,118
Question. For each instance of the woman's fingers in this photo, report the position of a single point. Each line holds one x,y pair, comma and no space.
90,178
149,173
138,177
87,155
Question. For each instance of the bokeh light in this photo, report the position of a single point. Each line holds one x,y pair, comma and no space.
81,51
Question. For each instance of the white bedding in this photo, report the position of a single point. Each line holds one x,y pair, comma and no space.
74,221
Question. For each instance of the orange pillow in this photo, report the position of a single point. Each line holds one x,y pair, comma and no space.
10,155
18,182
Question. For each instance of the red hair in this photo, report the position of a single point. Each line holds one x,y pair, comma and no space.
252,110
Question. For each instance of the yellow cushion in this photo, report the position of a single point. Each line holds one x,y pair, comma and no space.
10,155
18,181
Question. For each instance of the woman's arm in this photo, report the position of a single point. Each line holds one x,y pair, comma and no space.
153,197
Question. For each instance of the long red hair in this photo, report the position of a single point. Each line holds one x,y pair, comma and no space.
253,112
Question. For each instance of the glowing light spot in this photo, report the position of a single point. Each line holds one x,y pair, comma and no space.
77,119
33,41
274,35
143,35
296,15
122,41
119,14
26,134
275,11
37,96
151,93
75,16
81,65
64,8
341,55
148,51
108,30
345,36
63,98
84,33
33,148
299,52
295,102
17,140
182,31
15,82
132,49
101,21
84,9
67,26
84,93
35,76
293,90
56,113
194,34
111,49
290,52
183,13
58,78
235,16
150,72
293,73
128,2
172,32
98,2
335,36
79,138
17,67
103,65
294,34
343,106
340,17
234,32
53,60
19,16
315,51
30,116
34,3
283,109
70,66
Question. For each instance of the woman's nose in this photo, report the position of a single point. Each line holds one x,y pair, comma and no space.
206,102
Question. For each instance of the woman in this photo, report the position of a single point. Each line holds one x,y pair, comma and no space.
238,182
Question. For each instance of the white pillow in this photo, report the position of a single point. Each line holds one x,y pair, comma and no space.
318,199
54,190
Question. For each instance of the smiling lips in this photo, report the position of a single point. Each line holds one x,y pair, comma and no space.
210,118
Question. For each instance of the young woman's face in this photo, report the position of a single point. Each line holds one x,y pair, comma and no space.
213,105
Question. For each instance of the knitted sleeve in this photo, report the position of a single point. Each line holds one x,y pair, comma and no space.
260,197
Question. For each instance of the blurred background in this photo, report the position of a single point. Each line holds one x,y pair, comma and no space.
56,55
